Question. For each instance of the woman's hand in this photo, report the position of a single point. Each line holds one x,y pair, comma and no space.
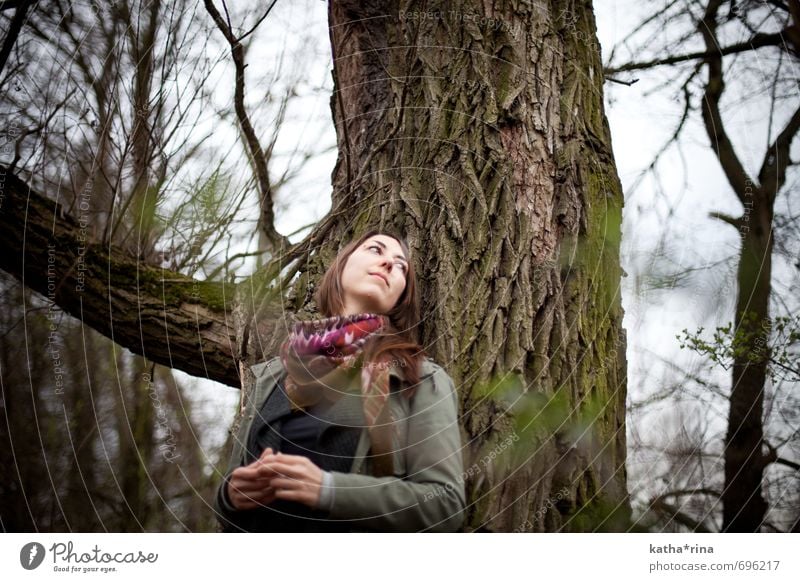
275,476
293,477
248,488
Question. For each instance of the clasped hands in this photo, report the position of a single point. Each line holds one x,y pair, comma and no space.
275,476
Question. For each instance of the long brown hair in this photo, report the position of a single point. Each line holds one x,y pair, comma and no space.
400,342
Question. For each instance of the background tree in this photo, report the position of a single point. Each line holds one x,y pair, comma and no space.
480,134
741,45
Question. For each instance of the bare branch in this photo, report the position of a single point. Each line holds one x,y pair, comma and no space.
720,142
772,175
734,222
673,513
258,23
756,42
257,157
13,29
788,463
621,82
772,457
687,108
682,492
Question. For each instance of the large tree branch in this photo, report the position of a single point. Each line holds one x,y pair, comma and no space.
167,317
737,176
772,174
13,29
11,4
788,463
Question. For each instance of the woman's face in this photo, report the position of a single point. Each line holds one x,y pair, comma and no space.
374,276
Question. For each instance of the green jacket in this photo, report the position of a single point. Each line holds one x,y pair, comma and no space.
427,491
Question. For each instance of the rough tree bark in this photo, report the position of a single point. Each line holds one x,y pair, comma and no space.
480,133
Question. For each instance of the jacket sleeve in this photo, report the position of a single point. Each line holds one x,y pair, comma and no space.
431,497
228,516
231,519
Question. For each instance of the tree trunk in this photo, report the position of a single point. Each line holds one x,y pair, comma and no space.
135,413
480,134
744,507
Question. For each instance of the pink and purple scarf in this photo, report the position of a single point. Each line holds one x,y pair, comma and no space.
322,358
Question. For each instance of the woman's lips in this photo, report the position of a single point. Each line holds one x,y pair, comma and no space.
382,277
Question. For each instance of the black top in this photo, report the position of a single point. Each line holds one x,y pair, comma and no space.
298,433
300,430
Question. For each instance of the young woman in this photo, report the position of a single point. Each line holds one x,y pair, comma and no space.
351,428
